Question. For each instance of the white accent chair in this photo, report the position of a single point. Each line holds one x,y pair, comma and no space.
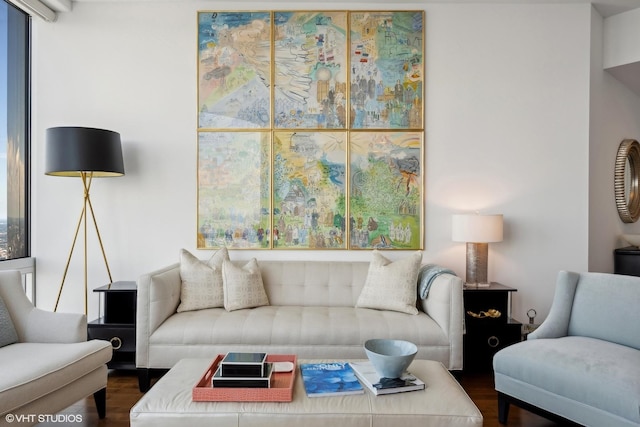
52,365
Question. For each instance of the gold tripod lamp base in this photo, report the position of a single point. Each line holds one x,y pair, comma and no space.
86,181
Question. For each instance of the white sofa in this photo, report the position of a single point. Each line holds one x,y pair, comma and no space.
51,365
311,313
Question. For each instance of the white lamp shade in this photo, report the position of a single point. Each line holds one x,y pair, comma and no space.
476,228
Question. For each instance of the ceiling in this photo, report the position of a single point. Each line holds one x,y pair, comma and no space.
604,7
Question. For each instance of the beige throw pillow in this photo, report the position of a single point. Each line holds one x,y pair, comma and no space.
243,287
201,281
391,285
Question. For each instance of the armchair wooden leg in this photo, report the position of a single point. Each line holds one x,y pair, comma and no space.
503,408
100,397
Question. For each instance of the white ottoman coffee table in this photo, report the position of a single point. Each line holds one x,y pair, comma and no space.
443,403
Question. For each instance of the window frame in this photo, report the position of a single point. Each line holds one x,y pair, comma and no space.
25,186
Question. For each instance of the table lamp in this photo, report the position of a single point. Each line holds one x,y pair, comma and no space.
476,231
86,153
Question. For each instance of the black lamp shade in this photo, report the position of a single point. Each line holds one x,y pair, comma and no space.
73,150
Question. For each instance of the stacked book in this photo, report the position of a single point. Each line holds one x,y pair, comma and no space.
243,370
368,376
342,378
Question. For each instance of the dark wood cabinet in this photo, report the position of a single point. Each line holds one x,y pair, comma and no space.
627,261
485,331
117,323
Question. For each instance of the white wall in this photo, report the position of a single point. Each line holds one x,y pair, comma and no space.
507,131
620,36
615,116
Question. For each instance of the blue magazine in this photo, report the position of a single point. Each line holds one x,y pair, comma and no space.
329,379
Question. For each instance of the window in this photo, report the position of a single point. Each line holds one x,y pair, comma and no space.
14,132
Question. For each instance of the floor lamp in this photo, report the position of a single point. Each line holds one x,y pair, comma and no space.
86,153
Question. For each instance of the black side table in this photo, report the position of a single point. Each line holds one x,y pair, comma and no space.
117,324
485,335
627,261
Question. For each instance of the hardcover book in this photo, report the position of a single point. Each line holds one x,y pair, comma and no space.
368,376
329,379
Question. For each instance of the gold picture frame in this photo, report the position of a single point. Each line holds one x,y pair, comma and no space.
296,110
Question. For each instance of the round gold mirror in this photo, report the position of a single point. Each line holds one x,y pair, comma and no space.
626,180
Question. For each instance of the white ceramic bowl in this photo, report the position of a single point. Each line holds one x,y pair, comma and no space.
632,239
390,358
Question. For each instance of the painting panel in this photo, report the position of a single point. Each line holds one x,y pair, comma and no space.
234,70
386,69
385,193
309,190
234,190
310,86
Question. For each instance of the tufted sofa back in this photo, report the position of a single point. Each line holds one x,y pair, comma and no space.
313,283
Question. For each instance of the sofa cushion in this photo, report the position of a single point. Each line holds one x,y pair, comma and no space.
290,327
8,334
201,281
243,287
391,285
573,372
35,370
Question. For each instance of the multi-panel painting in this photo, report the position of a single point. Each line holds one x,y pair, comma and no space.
310,129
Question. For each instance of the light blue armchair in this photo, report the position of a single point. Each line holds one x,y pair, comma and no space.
583,363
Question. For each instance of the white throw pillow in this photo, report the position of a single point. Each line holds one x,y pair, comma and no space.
243,287
201,281
391,285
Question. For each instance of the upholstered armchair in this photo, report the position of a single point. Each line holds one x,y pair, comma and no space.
583,363
46,362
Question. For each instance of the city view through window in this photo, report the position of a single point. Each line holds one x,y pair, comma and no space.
14,115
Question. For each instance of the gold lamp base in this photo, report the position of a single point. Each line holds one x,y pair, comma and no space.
87,206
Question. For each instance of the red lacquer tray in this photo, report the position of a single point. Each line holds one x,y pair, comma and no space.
281,389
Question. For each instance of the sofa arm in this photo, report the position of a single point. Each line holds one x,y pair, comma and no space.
445,305
158,299
557,322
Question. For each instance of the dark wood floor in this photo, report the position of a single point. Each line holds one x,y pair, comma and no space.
123,393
